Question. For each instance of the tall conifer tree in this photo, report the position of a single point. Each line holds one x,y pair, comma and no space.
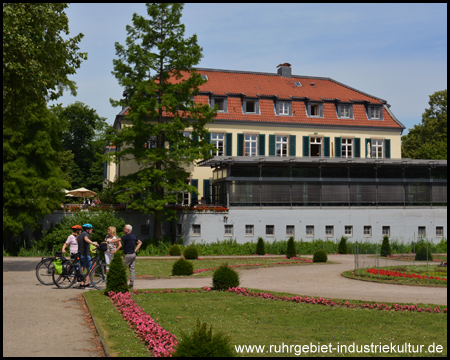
156,69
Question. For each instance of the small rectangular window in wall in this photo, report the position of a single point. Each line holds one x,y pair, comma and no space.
196,230
386,231
367,231
290,230
439,231
270,230
228,230
348,230
249,230
422,231
329,231
309,230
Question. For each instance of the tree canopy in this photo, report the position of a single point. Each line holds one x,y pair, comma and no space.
156,69
36,64
428,140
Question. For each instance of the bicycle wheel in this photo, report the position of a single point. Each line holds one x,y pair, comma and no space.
98,276
44,271
65,281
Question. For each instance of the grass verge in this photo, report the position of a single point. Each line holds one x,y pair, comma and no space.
257,321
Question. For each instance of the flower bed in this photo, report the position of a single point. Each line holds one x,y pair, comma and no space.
406,257
403,275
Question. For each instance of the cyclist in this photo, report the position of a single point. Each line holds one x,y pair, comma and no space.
72,240
83,249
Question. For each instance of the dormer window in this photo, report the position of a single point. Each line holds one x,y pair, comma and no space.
345,111
315,110
250,106
221,103
375,112
205,77
284,108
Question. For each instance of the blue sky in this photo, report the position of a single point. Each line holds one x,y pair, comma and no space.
397,52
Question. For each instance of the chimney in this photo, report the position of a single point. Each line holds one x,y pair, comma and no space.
284,70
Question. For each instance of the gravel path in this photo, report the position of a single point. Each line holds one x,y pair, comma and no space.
42,320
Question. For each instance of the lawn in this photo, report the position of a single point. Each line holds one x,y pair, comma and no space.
433,271
258,321
163,267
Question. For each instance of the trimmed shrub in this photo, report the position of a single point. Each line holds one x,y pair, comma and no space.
290,252
182,267
260,248
385,247
421,254
320,256
191,252
342,247
202,343
175,250
116,279
224,278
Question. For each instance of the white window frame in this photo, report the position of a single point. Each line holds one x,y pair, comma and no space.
367,231
283,108
250,145
228,230
345,111
196,230
315,140
218,140
347,148
348,230
269,229
222,102
310,231
249,230
329,231
386,231
247,102
281,146
290,230
377,148
375,112
316,107
439,231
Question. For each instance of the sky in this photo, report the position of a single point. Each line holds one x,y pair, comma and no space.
396,52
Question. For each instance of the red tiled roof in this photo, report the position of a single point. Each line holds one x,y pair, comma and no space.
251,84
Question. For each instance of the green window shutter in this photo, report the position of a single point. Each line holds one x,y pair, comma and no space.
229,144
292,145
305,145
271,145
207,190
240,138
326,146
357,147
387,149
337,147
368,141
194,196
262,144
208,140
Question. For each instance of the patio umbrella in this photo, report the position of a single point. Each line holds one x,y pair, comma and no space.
66,191
82,192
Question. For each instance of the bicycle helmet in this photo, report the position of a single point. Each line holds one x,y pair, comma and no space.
76,227
87,226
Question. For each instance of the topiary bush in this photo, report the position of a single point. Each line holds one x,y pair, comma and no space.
224,278
421,254
202,343
320,256
385,247
116,278
191,252
342,247
182,267
175,250
291,252
260,248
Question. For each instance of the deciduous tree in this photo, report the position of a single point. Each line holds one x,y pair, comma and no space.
156,69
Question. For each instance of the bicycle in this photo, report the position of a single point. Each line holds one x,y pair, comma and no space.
71,272
44,270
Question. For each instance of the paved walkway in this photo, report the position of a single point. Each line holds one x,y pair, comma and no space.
41,320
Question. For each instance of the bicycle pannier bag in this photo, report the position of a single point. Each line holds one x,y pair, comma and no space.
58,266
